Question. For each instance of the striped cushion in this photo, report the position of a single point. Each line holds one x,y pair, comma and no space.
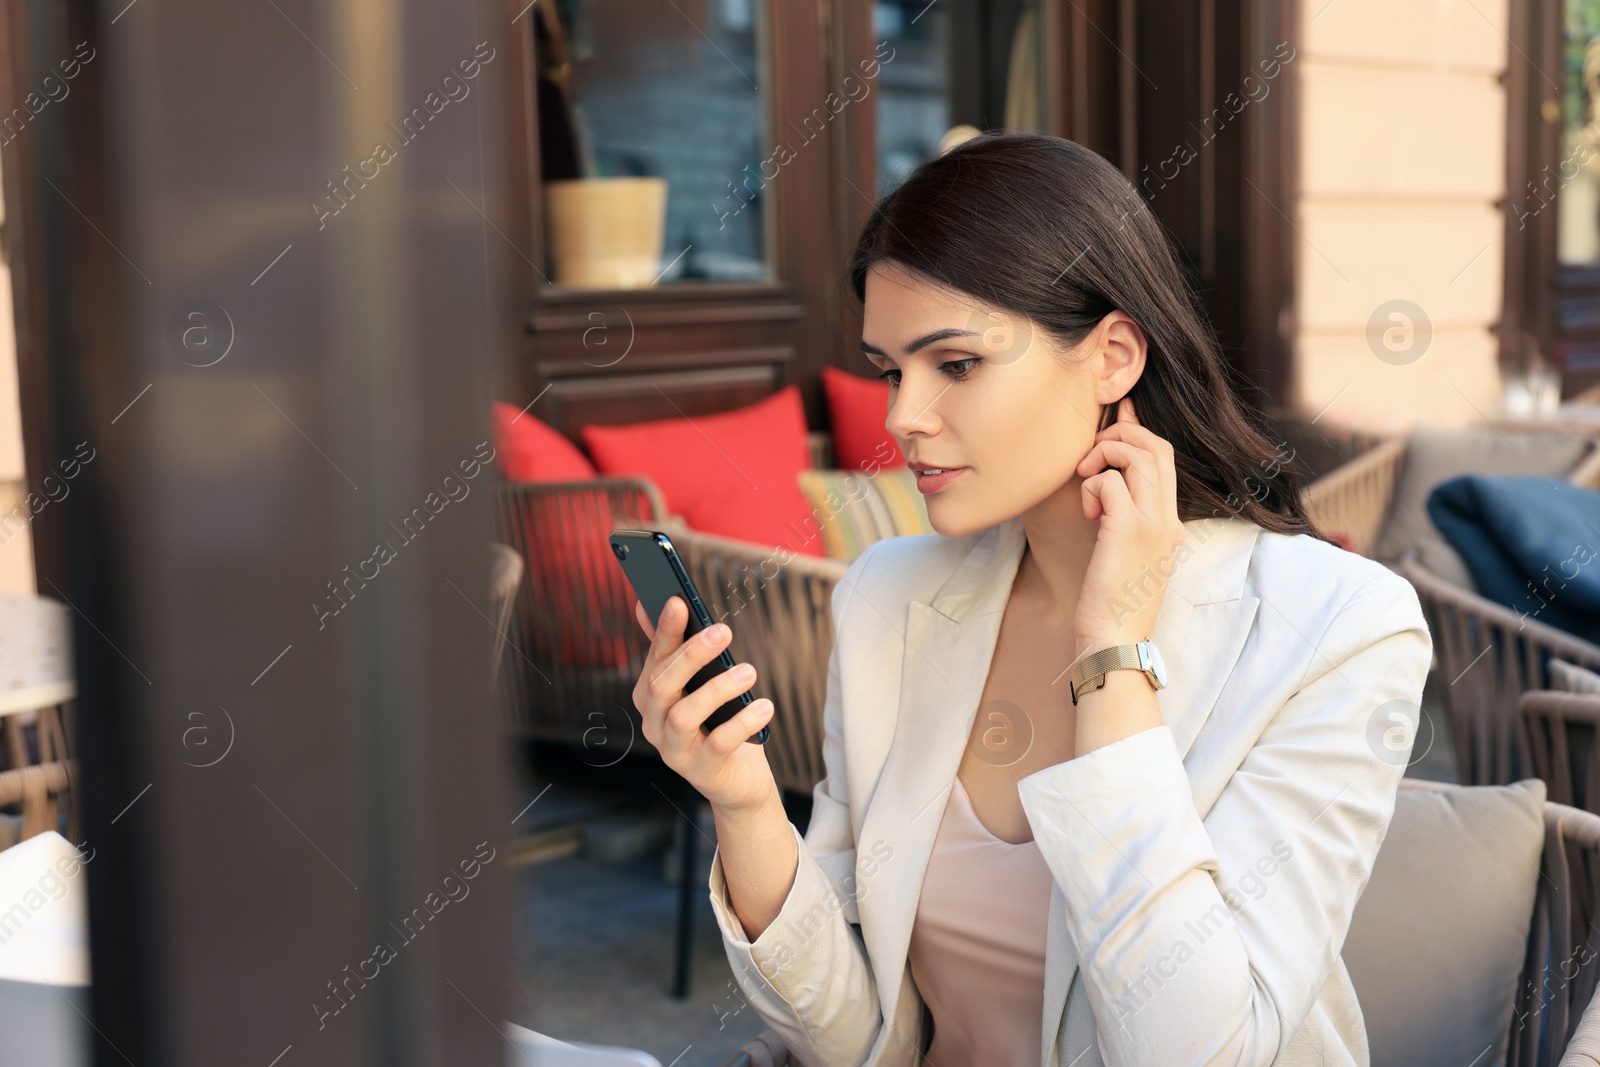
851,510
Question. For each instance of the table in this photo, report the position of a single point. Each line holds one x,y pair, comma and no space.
35,670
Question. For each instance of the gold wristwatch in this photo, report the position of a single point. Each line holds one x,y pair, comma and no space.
1090,672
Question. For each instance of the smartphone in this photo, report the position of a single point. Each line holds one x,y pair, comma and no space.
656,572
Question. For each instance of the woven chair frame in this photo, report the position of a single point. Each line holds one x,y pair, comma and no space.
1561,734
586,599
38,789
1354,500
1488,656
1563,960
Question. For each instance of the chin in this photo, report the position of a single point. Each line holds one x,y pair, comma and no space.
949,519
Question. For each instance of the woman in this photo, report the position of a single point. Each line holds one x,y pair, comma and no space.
1025,852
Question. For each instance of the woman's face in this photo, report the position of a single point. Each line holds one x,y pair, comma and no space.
986,394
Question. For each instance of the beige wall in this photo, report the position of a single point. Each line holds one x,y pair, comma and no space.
16,554
1401,155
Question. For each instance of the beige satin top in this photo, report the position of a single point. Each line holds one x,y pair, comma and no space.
977,944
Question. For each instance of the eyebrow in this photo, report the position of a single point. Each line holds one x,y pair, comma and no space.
921,342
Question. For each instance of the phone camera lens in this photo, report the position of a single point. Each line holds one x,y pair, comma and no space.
620,551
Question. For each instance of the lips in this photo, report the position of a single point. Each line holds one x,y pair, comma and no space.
931,479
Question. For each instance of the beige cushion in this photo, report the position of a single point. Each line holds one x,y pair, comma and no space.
1570,678
1437,454
1437,942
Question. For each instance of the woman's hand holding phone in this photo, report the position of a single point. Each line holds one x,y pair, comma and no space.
755,843
732,775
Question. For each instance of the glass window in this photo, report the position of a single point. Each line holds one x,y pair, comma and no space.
952,68
1576,181
652,149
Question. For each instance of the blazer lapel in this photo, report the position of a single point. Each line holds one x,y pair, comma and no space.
949,644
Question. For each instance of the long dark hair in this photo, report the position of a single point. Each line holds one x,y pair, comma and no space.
1049,229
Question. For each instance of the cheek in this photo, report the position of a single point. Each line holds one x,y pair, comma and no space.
1048,427
1024,434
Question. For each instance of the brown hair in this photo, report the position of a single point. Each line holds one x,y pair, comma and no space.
1049,229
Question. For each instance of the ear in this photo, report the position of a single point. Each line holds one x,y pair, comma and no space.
1122,349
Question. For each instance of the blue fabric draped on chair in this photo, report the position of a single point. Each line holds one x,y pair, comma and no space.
1531,544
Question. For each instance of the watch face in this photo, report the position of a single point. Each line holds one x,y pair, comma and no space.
1151,655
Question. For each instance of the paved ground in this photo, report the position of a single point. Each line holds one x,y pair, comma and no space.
596,945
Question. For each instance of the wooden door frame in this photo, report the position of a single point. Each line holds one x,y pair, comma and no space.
1547,307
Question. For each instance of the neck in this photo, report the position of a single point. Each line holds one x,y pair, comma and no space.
1060,543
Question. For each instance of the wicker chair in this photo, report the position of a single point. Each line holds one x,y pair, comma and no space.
578,650
1560,739
556,685
1478,696
38,789
1354,499
1559,1020
1498,655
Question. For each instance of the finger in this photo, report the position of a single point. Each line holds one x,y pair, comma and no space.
1125,412
1134,434
672,674
687,714
666,645
668,632
1159,447
1145,471
1105,492
674,609
726,739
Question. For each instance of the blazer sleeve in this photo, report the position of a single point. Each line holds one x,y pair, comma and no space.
808,974
1209,941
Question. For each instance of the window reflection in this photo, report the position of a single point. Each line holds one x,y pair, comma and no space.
1576,178
958,67
665,104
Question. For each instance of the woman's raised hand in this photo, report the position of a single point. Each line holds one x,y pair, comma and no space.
732,775
1130,484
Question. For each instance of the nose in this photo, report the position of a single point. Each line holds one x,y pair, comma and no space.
913,410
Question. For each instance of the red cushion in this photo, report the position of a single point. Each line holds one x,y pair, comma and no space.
858,407
534,451
731,474
571,574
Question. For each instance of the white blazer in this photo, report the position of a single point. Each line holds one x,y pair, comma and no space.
1205,870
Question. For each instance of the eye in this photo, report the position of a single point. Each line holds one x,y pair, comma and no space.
965,368
959,370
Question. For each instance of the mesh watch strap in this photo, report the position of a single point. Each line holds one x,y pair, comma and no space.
1090,673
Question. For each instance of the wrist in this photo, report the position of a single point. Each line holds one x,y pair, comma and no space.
1089,643
745,810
